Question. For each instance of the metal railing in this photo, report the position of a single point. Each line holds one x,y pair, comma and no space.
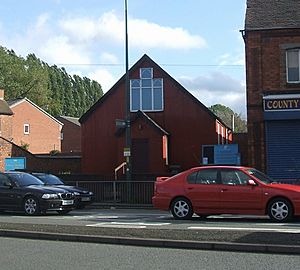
122,192
120,167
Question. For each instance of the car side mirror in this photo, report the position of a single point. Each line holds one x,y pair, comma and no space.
251,182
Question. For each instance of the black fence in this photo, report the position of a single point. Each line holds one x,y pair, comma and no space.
138,191
119,192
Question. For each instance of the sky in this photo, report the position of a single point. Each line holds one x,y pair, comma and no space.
197,42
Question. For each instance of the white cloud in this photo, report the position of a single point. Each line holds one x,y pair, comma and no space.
218,88
151,35
42,21
81,29
229,59
142,34
104,77
59,50
109,58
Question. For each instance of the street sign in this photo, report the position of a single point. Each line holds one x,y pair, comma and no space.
127,152
120,123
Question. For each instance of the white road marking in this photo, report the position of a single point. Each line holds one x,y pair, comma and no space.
126,224
247,229
107,225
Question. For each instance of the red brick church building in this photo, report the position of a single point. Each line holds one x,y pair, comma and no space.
169,125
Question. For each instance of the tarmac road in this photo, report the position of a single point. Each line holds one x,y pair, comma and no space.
82,256
156,228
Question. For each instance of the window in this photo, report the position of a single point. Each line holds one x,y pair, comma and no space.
292,63
3,180
234,177
207,177
26,129
146,93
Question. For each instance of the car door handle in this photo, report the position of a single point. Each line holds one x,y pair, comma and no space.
224,189
190,188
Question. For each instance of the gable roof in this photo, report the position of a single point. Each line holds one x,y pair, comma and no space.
16,102
145,58
4,108
272,14
70,119
140,114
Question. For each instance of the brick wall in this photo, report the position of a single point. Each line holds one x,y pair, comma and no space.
266,74
44,135
6,126
242,140
53,164
71,142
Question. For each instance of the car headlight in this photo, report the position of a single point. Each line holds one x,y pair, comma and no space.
76,193
50,196
91,193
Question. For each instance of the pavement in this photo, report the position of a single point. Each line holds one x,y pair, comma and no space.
239,241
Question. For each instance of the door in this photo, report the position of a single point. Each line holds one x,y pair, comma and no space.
236,195
283,149
203,189
6,193
140,155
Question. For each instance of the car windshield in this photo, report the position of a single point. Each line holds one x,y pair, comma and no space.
261,176
24,179
49,179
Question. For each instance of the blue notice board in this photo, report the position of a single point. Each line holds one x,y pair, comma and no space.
227,154
18,163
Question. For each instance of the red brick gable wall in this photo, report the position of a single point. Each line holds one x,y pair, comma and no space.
266,74
189,123
44,133
6,126
71,142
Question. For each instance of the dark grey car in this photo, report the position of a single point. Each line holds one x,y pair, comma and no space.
83,197
21,191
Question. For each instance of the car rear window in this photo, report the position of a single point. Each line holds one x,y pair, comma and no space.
206,176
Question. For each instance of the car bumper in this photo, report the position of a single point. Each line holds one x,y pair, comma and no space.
82,201
161,203
54,205
296,204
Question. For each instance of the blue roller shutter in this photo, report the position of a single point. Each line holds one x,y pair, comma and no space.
283,149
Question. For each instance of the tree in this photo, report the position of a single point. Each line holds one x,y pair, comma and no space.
50,87
226,114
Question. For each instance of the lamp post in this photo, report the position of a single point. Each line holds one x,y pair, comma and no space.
127,150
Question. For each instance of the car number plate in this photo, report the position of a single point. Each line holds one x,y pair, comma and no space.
85,199
67,202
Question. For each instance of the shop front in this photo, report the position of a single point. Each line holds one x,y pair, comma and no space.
282,133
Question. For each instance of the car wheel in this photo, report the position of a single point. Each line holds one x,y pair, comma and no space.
63,212
181,208
31,206
280,210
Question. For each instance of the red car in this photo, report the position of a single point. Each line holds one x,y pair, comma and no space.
226,190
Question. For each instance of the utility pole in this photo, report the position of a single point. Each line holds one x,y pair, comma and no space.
127,150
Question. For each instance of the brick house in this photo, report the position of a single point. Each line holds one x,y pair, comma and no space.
169,126
5,117
33,127
272,45
71,134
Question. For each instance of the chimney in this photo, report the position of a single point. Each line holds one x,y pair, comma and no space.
1,94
